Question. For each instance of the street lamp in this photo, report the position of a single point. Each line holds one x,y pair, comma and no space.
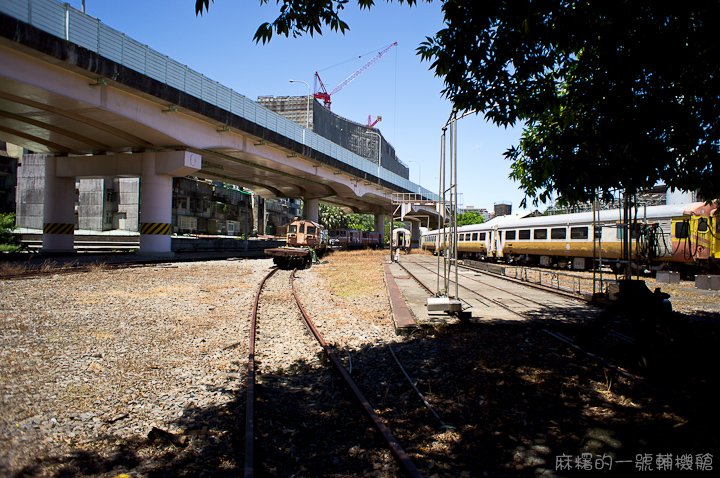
307,109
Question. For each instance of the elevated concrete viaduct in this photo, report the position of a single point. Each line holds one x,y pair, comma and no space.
101,104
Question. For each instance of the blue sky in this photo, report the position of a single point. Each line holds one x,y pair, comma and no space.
399,87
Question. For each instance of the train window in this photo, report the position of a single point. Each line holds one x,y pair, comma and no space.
558,233
482,236
524,234
510,236
475,236
702,224
634,229
579,233
500,234
461,237
540,234
293,228
681,230
311,229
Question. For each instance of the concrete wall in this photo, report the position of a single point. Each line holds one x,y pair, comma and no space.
102,203
91,204
30,191
358,138
128,209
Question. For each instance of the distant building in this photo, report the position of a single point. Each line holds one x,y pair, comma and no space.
358,138
503,209
481,211
279,213
201,206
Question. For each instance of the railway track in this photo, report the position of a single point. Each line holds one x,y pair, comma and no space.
509,295
526,307
284,304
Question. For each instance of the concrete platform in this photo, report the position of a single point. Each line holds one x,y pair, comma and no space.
408,297
494,299
403,318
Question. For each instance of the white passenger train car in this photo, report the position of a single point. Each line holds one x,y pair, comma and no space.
401,239
566,240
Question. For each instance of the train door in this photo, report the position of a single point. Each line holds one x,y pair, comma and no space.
494,241
703,236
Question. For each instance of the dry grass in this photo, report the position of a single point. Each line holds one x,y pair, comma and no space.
341,272
8,270
11,269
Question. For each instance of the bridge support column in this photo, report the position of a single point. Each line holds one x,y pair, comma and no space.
155,209
311,209
415,234
380,226
58,211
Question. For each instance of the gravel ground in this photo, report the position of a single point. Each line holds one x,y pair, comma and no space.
135,370
141,371
92,361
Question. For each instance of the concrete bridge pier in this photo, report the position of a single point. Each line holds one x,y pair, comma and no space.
155,169
380,226
415,234
311,209
58,210
155,209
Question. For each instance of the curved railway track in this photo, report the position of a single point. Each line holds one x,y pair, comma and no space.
518,297
394,446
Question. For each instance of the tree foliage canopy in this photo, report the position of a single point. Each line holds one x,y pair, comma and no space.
470,217
612,94
361,222
332,217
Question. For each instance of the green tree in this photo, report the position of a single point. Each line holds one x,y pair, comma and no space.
361,222
8,241
469,217
332,217
620,94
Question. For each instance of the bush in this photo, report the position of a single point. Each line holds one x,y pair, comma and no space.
7,224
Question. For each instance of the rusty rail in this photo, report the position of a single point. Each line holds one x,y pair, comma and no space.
392,442
250,393
249,470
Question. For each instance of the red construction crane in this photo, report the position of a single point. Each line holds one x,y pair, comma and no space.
322,93
372,123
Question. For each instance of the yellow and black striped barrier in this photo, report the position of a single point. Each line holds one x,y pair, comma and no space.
156,228
58,228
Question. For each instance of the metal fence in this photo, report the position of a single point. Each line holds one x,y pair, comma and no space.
64,21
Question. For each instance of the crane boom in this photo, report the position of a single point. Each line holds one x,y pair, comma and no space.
360,70
327,97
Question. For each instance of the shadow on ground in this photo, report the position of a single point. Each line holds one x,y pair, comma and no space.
511,401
